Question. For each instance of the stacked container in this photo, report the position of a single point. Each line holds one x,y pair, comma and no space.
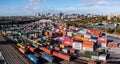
102,41
77,45
112,44
88,46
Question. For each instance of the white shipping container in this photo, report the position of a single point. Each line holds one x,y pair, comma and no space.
88,49
69,34
87,36
94,57
83,32
8,31
103,44
51,47
103,57
77,45
76,29
65,50
64,29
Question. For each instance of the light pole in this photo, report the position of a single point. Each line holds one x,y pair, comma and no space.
115,25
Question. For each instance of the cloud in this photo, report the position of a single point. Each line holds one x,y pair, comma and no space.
99,3
34,1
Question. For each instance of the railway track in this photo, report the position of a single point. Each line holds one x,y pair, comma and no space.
11,55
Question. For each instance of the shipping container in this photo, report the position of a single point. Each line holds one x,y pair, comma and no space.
35,41
32,49
19,45
103,57
62,56
61,38
47,57
77,37
112,44
69,34
91,62
35,45
87,36
39,44
84,39
72,51
94,57
45,50
77,45
62,46
93,40
68,42
65,50
22,50
102,40
47,42
51,47
33,58
57,48
103,44
88,46
88,42
88,49
63,33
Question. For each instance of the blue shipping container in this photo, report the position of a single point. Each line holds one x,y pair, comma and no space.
35,45
33,58
47,57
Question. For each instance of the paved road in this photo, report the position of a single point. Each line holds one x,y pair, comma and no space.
10,54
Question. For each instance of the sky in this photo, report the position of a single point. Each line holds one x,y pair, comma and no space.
32,7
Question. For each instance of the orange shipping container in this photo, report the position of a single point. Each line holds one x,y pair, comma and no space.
63,33
22,50
46,33
88,42
115,45
32,49
45,50
84,39
112,44
62,46
77,37
88,46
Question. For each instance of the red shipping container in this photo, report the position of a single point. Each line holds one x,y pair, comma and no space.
72,51
110,44
102,40
61,38
115,45
91,62
68,42
55,53
45,50
62,56
57,48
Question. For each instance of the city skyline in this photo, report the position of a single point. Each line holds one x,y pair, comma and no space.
32,7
